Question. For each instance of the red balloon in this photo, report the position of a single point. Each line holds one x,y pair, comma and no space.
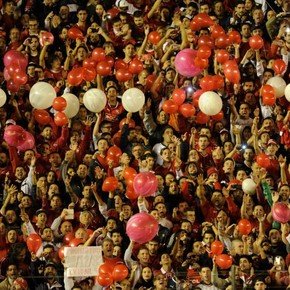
224,261
105,280
203,19
113,12
120,272
218,117
46,38
135,66
129,173
256,42
120,64
279,66
129,182
195,97
269,100
222,41
114,151
218,82
201,118
75,242
89,73
150,81
14,135
145,183
29,142
110,184
263,160
59,104
12,87
131,124
110,61
113,160
13,69
142,227
178,96
230,64
194,25
244,226
117,138
61,253
104,68
89,62
68,238
20,78
200,62
281,212
106,268
75,76
206,40
204,51
154,37
33,242
98,54
232,73
131,194
60,119
222,56
234,37
75,33
187,110
267,90
217,31
207,83
42,117
15,57
217,247
169,107
123,75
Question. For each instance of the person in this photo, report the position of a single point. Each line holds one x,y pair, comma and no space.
53,183
206,284
11,276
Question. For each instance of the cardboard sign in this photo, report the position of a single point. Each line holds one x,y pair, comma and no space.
83,261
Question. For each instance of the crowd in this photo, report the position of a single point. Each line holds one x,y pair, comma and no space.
56,190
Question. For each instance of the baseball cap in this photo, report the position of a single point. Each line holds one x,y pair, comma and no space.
50,264
224,131
10,122
123,4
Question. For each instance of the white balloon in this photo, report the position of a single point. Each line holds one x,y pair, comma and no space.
95,100
249,186
210,103
72,105
133,100
287,92
278,84
3,97
41,95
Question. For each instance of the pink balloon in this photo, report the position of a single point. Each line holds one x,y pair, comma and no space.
14,135
142,227
14,56
184,63
28,143
145,184
281,212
